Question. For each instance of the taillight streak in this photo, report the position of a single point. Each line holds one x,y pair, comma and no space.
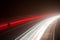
20,21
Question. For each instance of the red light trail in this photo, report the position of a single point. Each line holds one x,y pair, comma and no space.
20,21
3,26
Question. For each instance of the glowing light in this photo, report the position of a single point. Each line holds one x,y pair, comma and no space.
3,26
20,21
36,32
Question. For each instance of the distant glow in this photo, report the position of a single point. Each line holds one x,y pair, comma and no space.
36,32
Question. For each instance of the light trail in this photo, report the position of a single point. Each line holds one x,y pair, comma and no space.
36,32
20,21
3,26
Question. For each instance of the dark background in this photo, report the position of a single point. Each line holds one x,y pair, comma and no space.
14,9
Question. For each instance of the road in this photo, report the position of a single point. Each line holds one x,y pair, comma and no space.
57,31
39,29
17,31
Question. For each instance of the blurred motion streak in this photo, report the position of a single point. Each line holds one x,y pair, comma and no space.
20,21
37,31
3,26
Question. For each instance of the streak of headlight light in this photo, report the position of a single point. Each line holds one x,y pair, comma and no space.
36,32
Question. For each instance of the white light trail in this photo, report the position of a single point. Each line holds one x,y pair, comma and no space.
36,32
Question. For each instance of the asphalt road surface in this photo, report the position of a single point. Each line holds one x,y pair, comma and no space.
17,31
39,29
57,31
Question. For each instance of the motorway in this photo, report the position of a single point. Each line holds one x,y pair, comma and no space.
18,30
29,20
13,33
39,29
57,31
